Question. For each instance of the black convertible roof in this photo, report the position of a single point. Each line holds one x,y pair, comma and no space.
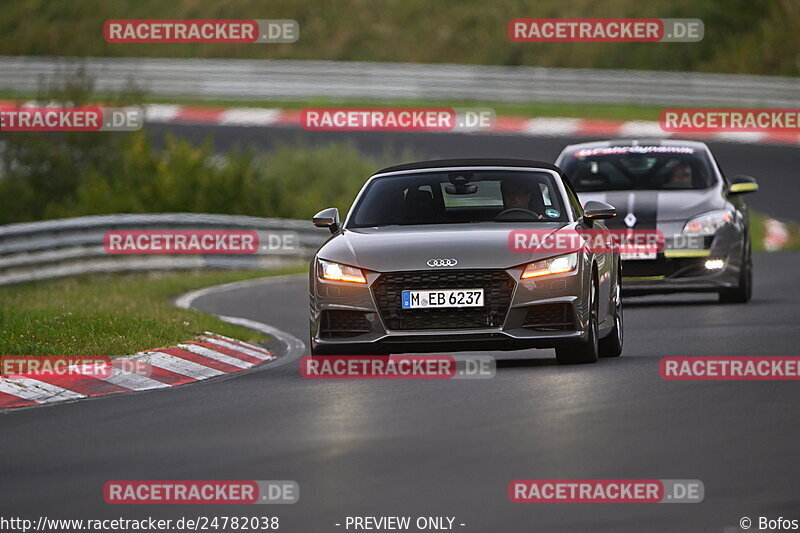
443,163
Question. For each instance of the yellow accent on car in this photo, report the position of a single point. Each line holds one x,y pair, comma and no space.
744,187
686,253
643,278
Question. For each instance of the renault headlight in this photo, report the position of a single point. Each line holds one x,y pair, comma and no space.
328,270
548,267
708,223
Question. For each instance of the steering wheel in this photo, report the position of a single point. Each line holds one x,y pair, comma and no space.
520,210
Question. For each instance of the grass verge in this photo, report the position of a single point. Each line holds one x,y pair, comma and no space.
522,109
111,314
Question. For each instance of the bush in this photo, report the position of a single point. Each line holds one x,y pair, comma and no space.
45,176
57,177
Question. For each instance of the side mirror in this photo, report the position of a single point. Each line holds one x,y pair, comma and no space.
742,184
327,218
594,210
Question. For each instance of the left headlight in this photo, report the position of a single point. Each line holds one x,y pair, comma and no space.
708,223
328,270
548,267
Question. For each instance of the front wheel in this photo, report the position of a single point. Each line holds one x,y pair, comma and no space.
611,345
744,290
585,351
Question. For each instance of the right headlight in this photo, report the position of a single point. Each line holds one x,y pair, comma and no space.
547,267
328,270
708,223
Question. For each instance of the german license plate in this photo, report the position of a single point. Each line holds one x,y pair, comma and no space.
445,298
637,256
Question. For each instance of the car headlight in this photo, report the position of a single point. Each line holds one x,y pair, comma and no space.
328,270
548,267
708,223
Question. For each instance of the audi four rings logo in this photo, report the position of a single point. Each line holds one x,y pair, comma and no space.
442,262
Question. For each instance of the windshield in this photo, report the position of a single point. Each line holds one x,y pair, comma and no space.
637,167
459,197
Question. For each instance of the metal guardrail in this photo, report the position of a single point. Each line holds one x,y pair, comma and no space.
71,246
244,79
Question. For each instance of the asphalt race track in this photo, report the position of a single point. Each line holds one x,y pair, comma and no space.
446,448
450,448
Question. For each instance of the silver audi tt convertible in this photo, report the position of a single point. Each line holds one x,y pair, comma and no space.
427,261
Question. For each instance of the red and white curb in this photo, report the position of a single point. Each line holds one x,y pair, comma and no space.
504,125
776,235
534,127
208,356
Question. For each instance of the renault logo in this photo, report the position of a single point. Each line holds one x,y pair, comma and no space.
442,262
630,220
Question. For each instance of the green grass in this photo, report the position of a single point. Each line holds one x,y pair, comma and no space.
757,230
113,314
591,111
531,109
741,36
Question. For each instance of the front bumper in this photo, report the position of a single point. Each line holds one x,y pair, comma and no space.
685,270
354,319
444,341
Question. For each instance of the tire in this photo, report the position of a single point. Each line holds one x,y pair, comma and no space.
611,345
744,290
586,351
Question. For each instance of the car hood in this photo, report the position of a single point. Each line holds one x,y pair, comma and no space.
402,248
651,207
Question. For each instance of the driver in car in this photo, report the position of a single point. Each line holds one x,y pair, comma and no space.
516,195
681,177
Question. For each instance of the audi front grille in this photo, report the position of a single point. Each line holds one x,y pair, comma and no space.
497,285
